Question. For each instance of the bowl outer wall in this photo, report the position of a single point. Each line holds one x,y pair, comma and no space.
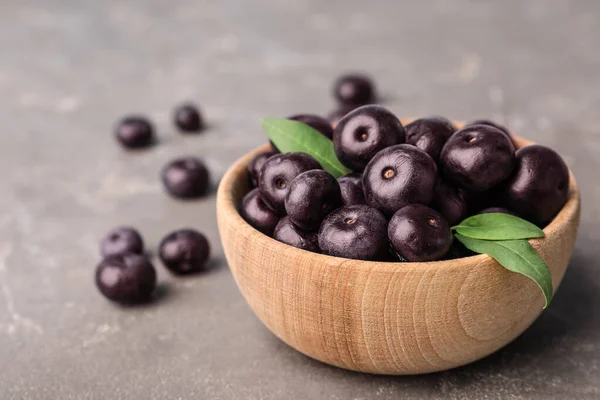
386,318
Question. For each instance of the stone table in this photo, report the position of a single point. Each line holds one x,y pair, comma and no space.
69,70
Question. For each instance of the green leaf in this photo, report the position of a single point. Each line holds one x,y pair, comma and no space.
517,256
294,136
498,226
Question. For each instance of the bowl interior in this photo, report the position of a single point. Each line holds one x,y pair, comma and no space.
239,186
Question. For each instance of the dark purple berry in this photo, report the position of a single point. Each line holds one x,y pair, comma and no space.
397,176
429,134
256,165
354,89
451,202
493,124
126,278
315,121
477,158
121,240
351,188
186,178
134,132
184,251
357,232
288,233
336,115
256,213
364,132
187,118
539,185
312,195
277,174
354,177
419,233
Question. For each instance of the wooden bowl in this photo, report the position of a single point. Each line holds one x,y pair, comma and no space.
379,317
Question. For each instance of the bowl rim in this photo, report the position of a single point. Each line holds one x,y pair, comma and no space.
227,203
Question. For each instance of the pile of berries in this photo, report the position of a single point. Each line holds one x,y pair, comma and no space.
125,274
184,177
409,185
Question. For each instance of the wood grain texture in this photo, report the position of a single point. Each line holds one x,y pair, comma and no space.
386,318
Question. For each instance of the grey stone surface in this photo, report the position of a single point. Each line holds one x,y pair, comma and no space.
69,69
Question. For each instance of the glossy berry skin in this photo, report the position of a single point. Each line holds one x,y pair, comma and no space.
256,165
451,202
336,115
539,185
351,188
258,214
186,178
312,196
477,158
493,124
357,232
188,119
126,278
397,176
315,121
277,174
364,132
134,132
429,134
419,233
354,89
184,251
121,240
288,233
